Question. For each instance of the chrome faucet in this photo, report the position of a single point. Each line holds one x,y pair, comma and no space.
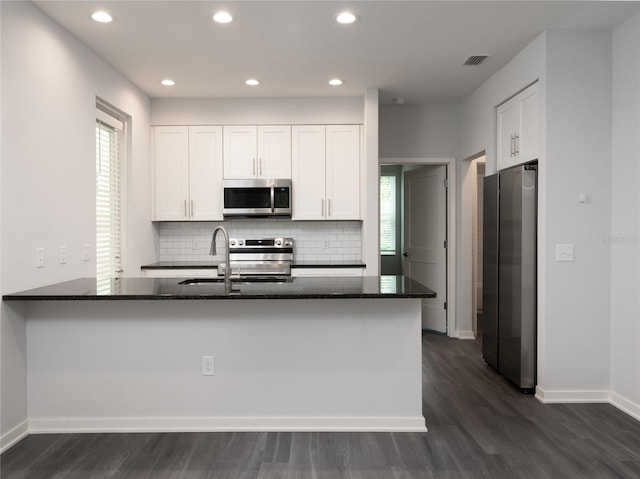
213,251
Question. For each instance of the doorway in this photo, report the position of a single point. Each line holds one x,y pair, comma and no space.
478,171
416,233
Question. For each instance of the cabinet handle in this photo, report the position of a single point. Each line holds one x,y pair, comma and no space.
185,208
517,145
322,207
254,166
511,146
260,166
329,207
192,208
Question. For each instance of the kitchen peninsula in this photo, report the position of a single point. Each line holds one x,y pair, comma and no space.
330,353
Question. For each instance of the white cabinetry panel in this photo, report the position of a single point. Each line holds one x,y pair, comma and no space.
517,128
308,172
257,152
326,172
187,173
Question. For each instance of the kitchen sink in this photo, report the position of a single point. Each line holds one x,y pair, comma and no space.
238,279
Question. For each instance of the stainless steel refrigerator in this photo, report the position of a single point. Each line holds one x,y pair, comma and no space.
509,315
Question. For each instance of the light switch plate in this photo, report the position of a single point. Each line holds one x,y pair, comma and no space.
564,252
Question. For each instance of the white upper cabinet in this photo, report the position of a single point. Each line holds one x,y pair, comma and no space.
187,173
240,151
308,171
326,172
343,172
205,173
517,128
257,152
274,152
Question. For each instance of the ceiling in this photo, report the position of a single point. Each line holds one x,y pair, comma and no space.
407,49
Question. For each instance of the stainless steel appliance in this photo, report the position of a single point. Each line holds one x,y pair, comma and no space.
257,197
509,315
261,258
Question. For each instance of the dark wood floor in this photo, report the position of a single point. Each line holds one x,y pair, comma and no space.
479,427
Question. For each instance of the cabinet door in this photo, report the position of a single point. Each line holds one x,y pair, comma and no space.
527,144
274,152
508,128
240,158
343,172
205,173
171,172
518,129
308,172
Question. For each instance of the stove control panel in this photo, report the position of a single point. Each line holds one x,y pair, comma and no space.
261,243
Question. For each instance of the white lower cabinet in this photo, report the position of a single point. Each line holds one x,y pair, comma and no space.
180,273
326,172
317,272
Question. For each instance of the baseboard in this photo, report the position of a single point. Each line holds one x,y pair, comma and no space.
14,436
550,397
220,424
626,405
466,335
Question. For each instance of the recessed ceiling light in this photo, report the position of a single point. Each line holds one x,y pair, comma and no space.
102,17
346,17
252,82
222,17
398,101
168,82
335,82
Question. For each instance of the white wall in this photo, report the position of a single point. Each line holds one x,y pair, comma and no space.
575,337
256,111
49,86
574,73
478,134
418,131
625,218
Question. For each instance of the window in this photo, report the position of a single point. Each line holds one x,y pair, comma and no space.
109,133
388,215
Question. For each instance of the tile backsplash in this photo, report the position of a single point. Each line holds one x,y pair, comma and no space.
314,240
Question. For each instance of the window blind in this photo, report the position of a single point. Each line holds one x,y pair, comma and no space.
388,215
108,227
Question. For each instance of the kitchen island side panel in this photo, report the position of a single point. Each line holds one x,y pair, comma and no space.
345,364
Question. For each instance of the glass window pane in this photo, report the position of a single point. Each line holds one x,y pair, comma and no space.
388,215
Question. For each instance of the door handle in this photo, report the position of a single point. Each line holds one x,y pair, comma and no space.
405,254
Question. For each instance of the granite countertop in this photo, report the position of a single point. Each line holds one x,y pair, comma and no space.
214,264
170,289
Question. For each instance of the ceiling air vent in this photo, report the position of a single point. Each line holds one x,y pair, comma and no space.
475,60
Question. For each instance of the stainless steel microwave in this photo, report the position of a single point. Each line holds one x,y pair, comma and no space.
257,197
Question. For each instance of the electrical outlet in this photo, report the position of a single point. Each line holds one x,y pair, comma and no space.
326,244
63,254
86,252
208,366
39,257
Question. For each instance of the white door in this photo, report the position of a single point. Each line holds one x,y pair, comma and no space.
425,234
205,173
343,172
240,147
171,173
274,151
308,172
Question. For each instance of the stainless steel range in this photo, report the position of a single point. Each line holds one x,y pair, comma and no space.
267,257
